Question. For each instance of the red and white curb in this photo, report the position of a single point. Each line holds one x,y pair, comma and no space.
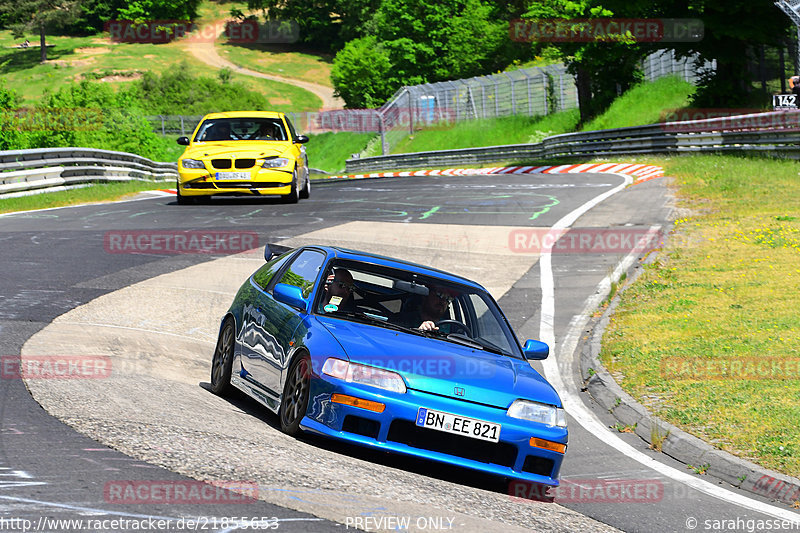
640,172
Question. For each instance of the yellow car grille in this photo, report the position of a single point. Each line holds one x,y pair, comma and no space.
222,164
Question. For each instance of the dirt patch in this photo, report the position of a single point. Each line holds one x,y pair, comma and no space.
72,62
131,77
279,101
92,50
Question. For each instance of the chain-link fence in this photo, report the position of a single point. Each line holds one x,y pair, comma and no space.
666,63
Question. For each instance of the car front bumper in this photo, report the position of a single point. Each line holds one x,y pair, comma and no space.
201,182
394,430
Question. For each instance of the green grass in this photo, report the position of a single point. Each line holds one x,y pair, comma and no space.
489,132
724,290
96,57
644,104
101,192
329,151
280,60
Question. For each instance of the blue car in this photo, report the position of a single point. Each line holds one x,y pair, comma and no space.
393,356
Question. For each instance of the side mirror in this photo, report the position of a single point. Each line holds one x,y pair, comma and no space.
302,139
289,295
536,350
183,141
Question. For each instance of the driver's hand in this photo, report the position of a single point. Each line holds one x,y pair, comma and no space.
428,325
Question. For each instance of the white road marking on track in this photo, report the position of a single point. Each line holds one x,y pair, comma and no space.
569,393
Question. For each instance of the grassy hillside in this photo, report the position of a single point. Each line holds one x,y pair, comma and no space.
73,59
644,104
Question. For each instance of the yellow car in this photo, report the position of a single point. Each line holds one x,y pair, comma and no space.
255,153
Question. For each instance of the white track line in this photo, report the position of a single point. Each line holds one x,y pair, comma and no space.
569,393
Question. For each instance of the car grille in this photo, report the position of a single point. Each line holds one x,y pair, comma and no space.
361,426
410,434
538,465
222,164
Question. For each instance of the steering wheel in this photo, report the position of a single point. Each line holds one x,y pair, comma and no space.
455,324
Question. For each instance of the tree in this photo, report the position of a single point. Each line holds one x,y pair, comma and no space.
604,68
327,24
24,16
733,32
360,73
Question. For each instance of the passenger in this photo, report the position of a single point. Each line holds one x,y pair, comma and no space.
433,308
339,289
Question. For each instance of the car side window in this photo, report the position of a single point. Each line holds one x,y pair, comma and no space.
291,128
304,271
264,274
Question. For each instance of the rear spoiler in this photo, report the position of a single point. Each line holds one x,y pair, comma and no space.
273,250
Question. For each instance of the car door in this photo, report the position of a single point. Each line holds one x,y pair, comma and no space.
275,323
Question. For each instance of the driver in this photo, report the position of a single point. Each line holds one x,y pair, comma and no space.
433,308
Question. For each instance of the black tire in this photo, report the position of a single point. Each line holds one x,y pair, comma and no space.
295,395
306,192
294,195
222,362
184,200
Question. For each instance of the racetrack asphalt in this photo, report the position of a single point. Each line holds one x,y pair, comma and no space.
159,411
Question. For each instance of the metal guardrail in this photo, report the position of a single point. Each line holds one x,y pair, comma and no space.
28,170
774,133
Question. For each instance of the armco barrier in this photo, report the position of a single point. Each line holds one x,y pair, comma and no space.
774,133
28,170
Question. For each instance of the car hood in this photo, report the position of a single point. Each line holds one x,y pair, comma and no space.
441,367
240,149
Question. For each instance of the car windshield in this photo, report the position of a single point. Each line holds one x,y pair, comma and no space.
241,129
402,300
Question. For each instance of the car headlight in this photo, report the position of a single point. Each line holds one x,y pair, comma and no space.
275,162
538,412
192,163
365,375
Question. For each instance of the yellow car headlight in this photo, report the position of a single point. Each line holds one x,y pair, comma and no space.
192,163
276,162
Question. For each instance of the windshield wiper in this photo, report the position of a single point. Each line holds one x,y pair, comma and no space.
377,320
482,344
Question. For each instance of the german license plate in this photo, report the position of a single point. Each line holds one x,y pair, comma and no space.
233,175
458,425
